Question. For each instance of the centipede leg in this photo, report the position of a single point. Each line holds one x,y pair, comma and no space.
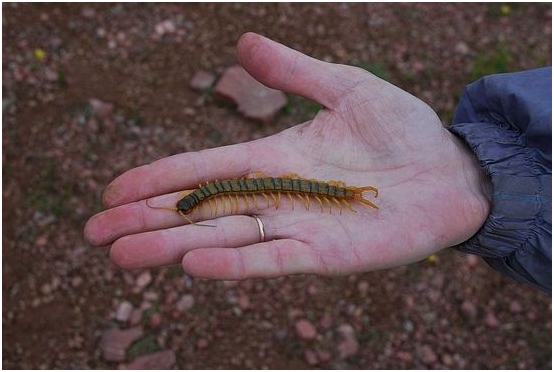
247,203
305,200
319,201
337,202
348,205
367,202
326,199
266,198
291,200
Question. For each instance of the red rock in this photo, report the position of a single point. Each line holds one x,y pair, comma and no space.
469,309
254,100
427,355
348,344
305,329
405,356
114,342
161,360
311,357
491,320
156,320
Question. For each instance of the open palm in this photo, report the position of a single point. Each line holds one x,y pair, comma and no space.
432,194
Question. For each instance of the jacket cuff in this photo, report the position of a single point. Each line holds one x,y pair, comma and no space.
516,237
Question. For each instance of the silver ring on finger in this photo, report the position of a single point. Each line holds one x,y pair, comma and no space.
260,228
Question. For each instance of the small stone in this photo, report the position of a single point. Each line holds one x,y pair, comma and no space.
101,109
491,320
202,343
165,27
202,80
114,342
515,307
243,301
143,280
348,344
88,12
405,356
469,309
472,260
427,355
161,360
363,287
186,302
123,312
155,320
311,357
462,48
254,100
326,321
305,329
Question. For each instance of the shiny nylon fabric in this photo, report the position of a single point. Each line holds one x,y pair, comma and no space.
506,119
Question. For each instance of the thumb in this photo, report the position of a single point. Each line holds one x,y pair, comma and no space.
283,68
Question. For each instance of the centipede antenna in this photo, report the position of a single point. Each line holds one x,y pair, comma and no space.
174,209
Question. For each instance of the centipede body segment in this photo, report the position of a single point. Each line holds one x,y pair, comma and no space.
326,194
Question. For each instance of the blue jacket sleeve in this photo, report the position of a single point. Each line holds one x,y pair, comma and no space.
506,119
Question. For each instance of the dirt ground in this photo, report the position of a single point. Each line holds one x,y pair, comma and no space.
91,90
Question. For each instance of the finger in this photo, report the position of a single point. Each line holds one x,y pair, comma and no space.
160,212
168,246
178,172
283,68
261,260
132,218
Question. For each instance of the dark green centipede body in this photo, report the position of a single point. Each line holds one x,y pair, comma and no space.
249,186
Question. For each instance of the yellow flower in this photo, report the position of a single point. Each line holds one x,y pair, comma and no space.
40,54
505,9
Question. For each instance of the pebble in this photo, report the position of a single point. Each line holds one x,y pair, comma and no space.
143,280
405,356
161,360
186,302
155,320
311,357
165,27
491,320
427,355
101,109
243,301
469,309
114,342
305,329
123,312
202,80
348,345
515,307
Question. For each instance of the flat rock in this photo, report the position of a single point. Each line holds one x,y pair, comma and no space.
162,360
253,99
114,342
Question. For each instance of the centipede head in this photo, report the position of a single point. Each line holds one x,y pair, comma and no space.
185,206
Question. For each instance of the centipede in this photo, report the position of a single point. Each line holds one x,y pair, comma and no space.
326,193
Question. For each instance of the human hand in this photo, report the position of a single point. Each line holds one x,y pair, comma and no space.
432,193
